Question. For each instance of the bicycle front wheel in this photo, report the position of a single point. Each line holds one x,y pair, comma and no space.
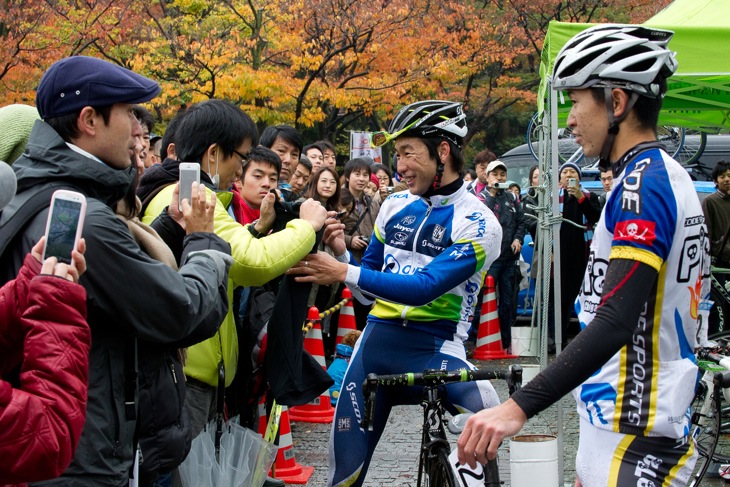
705,430
440,473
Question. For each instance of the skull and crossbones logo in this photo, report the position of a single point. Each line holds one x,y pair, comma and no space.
632,230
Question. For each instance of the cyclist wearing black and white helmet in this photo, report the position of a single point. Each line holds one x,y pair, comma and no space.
430,250
632,368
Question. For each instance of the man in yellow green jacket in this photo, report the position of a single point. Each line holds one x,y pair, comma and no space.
218,135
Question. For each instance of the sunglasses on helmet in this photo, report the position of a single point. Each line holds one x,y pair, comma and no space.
379,139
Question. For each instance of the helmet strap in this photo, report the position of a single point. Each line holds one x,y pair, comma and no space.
439,174
604,163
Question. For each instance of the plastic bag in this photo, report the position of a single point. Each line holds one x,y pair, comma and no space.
245,459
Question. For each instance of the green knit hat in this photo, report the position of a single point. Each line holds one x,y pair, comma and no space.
16,122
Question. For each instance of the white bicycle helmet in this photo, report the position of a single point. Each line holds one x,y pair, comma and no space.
431,118
618,56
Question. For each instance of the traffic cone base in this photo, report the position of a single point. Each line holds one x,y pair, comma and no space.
489,335
314,412
286,467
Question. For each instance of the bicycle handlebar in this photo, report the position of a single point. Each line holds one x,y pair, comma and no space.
433,378
722,377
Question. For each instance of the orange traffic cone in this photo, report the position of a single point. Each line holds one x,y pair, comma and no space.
346,322
286,467
320,410
263,420
489,336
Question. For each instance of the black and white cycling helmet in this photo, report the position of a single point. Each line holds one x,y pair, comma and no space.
431,118
617,56
630,57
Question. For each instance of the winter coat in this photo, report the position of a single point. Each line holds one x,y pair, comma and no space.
511,217
574,241
129,296
43,326
364,228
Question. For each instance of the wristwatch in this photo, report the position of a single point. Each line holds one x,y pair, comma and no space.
255,232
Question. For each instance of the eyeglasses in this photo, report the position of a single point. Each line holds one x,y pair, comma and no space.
379,139
244,157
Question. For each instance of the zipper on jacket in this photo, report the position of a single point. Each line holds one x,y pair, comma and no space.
413,253
172,369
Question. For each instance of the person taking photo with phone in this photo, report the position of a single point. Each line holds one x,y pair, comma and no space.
85,142
43,327
577,207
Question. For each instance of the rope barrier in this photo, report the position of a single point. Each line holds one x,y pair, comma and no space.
309,325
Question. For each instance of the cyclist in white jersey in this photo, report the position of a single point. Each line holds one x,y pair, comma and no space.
430,250
632,368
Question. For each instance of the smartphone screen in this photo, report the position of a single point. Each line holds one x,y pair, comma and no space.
189,173
63,228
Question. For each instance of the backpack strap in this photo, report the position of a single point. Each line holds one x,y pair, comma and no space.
362,217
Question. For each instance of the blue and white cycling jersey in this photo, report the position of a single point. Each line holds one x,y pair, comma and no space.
448,243
652,216
431,256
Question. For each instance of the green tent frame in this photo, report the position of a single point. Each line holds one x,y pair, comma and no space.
698,95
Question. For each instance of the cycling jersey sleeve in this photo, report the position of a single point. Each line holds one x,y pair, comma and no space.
642,217
449,269
626,288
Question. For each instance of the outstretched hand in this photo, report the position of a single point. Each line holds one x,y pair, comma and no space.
485,430
320,268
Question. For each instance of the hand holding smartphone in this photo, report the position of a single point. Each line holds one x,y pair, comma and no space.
189,173
572,182
64,225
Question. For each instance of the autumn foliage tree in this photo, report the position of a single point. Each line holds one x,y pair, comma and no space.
325,66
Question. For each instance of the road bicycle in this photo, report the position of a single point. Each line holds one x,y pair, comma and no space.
434,466
709,427
683,144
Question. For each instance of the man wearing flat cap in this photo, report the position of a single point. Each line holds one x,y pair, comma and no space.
84,143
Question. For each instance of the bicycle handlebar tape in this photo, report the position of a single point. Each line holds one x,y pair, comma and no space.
320,410
489,335
286,467
346,323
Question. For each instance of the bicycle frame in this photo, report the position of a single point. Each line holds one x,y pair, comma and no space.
433,429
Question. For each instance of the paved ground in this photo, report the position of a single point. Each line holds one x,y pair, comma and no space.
395,461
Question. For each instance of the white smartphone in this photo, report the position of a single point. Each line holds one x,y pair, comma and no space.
64,225
572,182
189,173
